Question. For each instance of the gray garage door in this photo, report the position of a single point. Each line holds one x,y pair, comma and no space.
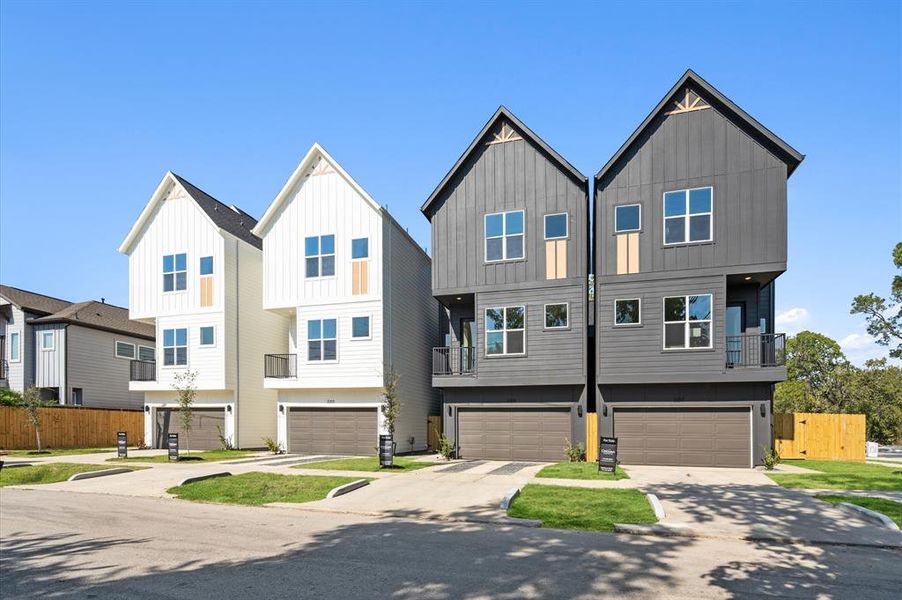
513,433
204,434
333,431
699,437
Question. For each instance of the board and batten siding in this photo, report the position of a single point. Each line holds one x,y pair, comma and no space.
21,372
501,177
177,226
50,365
690,150
95,368
321,204
208,362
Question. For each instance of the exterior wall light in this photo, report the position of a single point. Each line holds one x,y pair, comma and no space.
604,410
282,409
229,408
763,409
146,408
579,411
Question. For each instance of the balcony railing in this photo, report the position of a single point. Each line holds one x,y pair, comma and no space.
280,366
142,370
454,360
756,350
4,369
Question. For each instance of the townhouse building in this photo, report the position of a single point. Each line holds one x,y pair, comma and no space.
690,230
510,248
195,277
353,291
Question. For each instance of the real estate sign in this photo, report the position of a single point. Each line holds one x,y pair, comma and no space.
172,442
122,444
607,454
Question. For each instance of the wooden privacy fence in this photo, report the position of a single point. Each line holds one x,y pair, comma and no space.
819,436
433,431
591,437
69,427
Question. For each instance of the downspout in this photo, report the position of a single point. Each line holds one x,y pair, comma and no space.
65,340
237,343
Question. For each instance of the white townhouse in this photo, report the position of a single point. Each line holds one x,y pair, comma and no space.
355,290
195,273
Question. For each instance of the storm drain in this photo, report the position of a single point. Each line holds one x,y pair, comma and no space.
511,468
462,466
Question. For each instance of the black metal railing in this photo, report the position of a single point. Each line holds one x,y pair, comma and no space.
454,360
756,350
280,366
142,370
4,369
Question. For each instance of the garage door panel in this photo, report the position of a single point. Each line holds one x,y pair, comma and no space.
333,431
515,433
204,435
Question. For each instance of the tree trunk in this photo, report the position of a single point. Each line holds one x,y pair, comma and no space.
37,434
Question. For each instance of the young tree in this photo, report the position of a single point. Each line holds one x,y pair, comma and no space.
391,406
31,403
187,391
884,316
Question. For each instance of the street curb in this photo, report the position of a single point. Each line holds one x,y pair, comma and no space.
103,473
348,487
871,515
511,495
202,477
656,506
7,465
657,529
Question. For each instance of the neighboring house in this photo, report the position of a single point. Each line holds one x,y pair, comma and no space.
195,275
690,228
353,290
74,353
510,262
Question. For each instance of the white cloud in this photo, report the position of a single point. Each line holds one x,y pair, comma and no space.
856,341
793,320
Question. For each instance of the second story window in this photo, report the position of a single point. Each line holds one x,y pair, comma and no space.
504,236
322,342
14,347
556,227
687,322
147,353
628,312
208,336
688,216
319,252
505,331
125,350
360,328
47,340
175,272
556,316
175,347
627,218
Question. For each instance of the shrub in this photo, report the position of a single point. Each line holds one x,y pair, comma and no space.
575,453
224,442
10,397
445,447
272,445
771,458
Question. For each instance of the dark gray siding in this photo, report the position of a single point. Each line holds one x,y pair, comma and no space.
498,177
696,149
95,368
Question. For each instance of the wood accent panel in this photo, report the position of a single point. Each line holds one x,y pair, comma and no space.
632,244
591,437
206,290
561,247
822,436
360,277
556,259
70,427
550,262
622,255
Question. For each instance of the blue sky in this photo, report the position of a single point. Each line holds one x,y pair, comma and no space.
97,101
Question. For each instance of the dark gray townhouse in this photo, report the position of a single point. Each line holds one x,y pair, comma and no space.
690,230
509,269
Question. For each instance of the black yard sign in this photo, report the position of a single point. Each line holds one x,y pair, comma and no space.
607,454
386,450
122,444
172,442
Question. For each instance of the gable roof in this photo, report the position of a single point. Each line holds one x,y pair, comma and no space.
310,160
226,218
32,301
501,113
99,315
724,105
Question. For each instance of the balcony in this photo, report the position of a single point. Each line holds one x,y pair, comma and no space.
756,350
280,366
142,370
454,361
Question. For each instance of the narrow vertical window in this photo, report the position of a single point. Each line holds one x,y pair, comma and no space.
14,350
360,266
206,281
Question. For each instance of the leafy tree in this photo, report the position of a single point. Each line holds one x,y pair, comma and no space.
878,394
31,403
187,392
884,317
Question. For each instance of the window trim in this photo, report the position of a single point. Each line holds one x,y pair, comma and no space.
503,237
485,343
200,337
44,333
686,241
17,346
174,289
175,347
319,256
637,324
369,328
686,322
566,235
545,318
638,229
116,350
321,340
140,346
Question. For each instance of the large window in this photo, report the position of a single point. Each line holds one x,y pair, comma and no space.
147,353
175,272
688,216
319,252
14,346
48,340
687,321
175,347
504,236
125,350
556,316
627,218
322,343
556,226
505,331
360,328
627,312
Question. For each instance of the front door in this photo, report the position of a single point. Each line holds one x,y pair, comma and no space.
735,326
467,344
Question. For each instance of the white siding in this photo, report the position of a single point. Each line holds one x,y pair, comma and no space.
95,368
208,361
21,372
50,365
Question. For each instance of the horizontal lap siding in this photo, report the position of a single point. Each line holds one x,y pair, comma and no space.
94,367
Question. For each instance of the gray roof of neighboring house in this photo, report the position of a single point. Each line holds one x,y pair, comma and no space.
99,315
765,136
32,302
502,112
228,218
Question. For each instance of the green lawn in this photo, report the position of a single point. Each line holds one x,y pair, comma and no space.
581,508
580,470
257,488
891,509
402,464
57,452
196,456
841,475
46,473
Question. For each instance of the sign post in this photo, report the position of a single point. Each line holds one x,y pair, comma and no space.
607,454
122,444
172,442
386,450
